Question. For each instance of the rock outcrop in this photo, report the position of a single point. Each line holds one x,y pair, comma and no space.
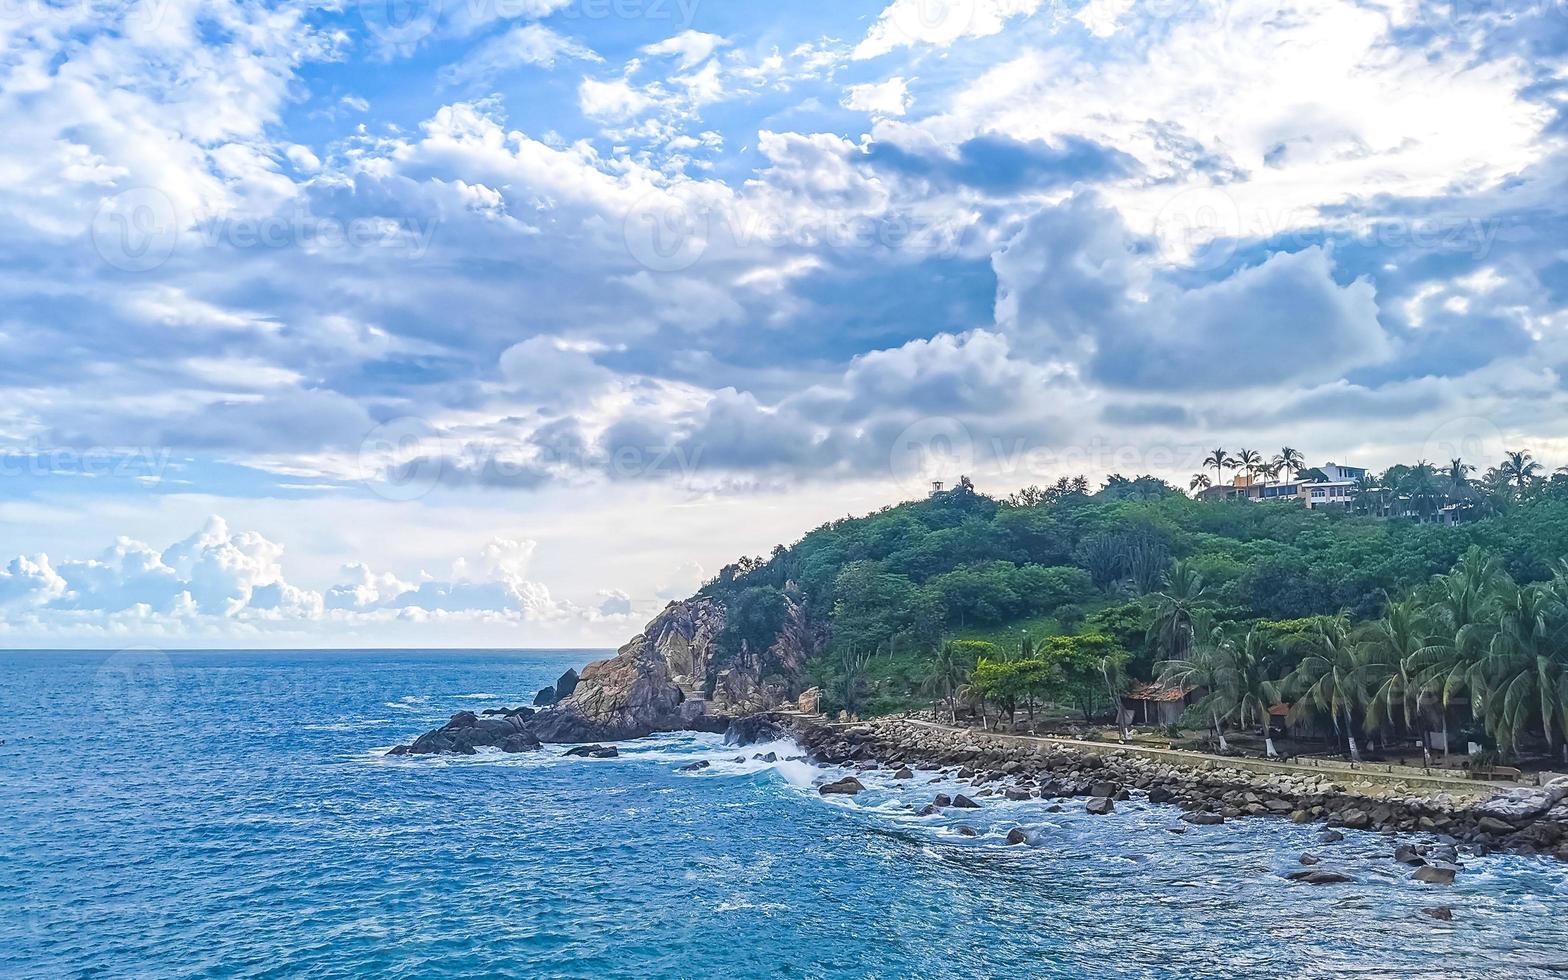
675,675
466,733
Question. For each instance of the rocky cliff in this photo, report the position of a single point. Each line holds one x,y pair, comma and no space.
674,675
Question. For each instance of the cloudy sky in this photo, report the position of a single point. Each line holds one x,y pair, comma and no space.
502,322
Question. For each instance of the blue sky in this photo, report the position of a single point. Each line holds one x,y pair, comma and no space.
506,321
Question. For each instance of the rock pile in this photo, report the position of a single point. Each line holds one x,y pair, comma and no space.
1527,821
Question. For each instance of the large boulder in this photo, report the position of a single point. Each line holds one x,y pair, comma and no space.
566,684
848,786
755,728
1526,802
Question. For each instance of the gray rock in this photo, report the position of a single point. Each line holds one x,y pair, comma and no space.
1434,875
1101,805
963,802
1440,912
1202,819
848,786
1319,876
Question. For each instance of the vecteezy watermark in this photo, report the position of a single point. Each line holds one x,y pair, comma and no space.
1472,439
938,22
940,450
136,230
145,463
133,14
297,227
134,688
404,23
930,451
404,458
1202,228
664,233
139,229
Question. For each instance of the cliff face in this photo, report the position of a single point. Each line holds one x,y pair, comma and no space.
674,676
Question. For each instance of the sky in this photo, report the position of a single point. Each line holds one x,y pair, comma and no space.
505,322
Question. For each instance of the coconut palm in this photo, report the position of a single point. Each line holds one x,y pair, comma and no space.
1519,468
1175,605
949,671
1248,459
1330,679
1367,496
1200,481
1390,650
1525,670
1461,609
1200,668
1220,460
1290,461
1243,688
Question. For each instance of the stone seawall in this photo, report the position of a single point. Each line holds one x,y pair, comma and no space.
1525,821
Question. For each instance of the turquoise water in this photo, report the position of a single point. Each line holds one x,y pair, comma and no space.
230,814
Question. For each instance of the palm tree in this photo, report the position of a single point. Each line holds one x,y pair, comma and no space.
1219,459
1461,609
1526,677
1248,459
1459,474
1200,667
1243,685
1390,651
1418,487
1368,495
1329,679
1176,604
1290,461
1519,468
948,674
1200,481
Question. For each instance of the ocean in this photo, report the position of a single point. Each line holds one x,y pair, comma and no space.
232,814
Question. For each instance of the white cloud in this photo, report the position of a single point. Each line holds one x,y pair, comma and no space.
613,99
689,48
940,23
527,44
889,98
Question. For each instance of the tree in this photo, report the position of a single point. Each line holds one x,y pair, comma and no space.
1330,679
1391,656
1248,459
1199,667
1175,606
852,662
1519,468
1089,666
1244,689
1199,481
1525,669
1220,460
1290,461
949,672
1460,607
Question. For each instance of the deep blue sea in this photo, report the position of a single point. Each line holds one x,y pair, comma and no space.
232,814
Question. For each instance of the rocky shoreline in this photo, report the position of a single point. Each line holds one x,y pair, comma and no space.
1526,821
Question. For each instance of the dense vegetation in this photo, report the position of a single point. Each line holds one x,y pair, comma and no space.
1062,595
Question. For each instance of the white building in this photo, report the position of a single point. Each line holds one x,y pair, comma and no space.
1335,488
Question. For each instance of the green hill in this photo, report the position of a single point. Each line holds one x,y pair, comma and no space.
962,565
